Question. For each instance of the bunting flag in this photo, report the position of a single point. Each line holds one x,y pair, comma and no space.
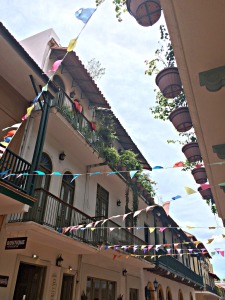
189,191
151,229
13,126
37,97
84,14
132,173
176,197
178,164
205,186
137,213
72,45
29,110
55,65
157,168
166,206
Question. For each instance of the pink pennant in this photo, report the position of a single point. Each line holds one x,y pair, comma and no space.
161,229
178,164
55,65
168,250
150,247
205,186
166,207
176,245
222,253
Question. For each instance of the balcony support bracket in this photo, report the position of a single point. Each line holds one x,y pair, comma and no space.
213,79
219,150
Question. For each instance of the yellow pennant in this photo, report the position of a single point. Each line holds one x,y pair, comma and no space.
151,229
92,229
210,241
197,243
223,235
72,45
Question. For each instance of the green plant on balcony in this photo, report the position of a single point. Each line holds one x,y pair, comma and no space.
105,127
69,114
112,156
129,160
86,132
147,184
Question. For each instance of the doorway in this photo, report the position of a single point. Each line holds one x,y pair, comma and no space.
30,282
67,287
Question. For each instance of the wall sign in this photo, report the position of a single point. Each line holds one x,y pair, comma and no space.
4,280
16,243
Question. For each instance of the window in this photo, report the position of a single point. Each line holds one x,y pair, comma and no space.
46,167
67,196
100,289
102,203
59,83
133,294
67,287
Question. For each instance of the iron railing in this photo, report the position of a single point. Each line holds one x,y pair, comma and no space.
173,265
211,289
79,122
15,165
53,212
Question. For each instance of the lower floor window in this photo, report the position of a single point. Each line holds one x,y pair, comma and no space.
100,289
133,294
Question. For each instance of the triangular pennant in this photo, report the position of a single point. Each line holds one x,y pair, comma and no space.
176,197
39,172
209,241
13,126
151,229
74,177
45,88
132,173
137,213
205,186
178,164
222,253
94,173
29,110
111,173
150,247
72,45
161,229
189,191
57,173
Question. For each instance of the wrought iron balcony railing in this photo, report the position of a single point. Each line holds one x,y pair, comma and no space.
15,165
176,267
67,108
51,211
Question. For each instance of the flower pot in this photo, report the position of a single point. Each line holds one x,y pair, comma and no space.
181,119
192,152
200,175
146,12
206,194
169,83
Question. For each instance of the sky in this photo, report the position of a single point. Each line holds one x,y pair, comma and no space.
122,48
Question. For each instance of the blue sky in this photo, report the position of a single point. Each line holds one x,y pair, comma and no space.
122,49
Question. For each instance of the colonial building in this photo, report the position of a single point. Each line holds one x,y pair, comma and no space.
68,229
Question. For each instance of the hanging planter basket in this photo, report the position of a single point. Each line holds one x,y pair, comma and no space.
206,194
192,152
200,175
181,119
169,83
146,12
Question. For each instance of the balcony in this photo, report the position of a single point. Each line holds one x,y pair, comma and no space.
174,269
214,290
15,165
52,212
79,122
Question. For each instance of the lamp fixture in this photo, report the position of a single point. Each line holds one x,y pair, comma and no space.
72,94
124,272
62,156
70,268
156,284
59,261
34,256
118,203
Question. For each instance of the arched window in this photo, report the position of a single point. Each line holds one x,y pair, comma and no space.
160,293
67,196
191,297
180,295
168,294
46,167
59,83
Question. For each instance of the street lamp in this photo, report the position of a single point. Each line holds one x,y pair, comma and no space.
156,284
147,290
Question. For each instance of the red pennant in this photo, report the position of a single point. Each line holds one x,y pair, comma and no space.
114,256
93,126
178,164
222,253
176,245
78,106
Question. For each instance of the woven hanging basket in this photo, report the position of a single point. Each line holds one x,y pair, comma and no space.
200,175
146,12
181,119
192,152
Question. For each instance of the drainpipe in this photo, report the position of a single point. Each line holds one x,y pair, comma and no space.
40,139
78,277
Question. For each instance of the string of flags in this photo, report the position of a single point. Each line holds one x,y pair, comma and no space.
83,14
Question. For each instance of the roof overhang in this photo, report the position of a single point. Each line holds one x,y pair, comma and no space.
196,29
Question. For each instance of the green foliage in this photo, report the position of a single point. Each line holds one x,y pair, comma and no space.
163,55
129,159
111,155
212,205
120,7
190,137
95,69
105,127
165,106
147,183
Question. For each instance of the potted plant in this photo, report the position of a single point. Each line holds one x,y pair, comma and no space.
181,119
205,193
147,184
128,159
146,12
168,80
84,296
199,175
111,155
